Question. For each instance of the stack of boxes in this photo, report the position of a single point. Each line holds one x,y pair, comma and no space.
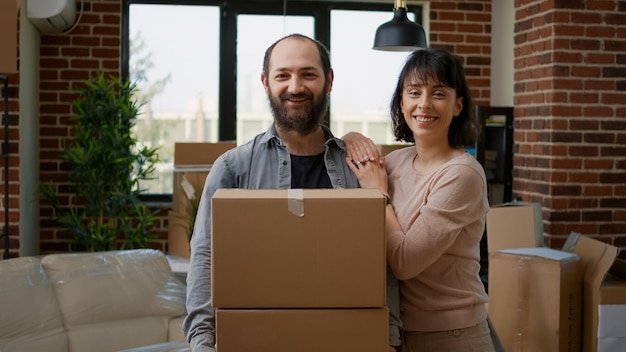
299,270
535,299
604,292
192,163
543,299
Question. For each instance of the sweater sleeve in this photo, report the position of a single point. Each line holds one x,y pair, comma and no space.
451,200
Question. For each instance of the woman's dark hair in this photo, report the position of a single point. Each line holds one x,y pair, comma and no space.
441,67
324,55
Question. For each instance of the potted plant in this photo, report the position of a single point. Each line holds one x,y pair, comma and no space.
103,210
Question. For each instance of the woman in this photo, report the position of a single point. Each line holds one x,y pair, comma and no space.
438,204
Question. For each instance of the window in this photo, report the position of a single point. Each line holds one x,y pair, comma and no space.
197,66
177,80
253,114
365,78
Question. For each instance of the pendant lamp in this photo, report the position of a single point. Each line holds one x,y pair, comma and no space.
400,34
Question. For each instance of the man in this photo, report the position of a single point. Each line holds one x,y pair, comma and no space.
297,151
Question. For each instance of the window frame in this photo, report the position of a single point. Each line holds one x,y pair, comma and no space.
230,9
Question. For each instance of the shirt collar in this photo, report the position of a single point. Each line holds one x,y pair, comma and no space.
330,138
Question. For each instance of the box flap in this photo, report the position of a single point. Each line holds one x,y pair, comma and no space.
514,225
543,252
597,256
322,193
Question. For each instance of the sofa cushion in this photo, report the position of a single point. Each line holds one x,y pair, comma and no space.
116,285
30,319
118,335
176,332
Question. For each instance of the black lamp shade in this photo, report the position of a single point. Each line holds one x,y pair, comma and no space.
400,34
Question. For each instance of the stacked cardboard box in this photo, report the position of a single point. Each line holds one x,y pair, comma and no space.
535,299
299,270
192,163
604,292
514,225
534,292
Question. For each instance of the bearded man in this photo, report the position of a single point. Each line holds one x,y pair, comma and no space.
297,151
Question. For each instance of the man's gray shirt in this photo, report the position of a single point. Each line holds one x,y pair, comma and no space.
262,163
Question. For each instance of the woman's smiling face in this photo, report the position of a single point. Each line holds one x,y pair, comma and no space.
429,107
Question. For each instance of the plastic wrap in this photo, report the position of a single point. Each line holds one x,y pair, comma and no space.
96,302
109,286
30,319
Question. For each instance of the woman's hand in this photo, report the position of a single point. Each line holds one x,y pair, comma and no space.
370,174
360,148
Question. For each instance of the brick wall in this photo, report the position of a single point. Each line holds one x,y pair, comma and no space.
570,116
66,61
569,97
464,28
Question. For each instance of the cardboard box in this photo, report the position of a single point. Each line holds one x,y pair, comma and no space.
604,305
535,297
385,149
192,163
311,248
305,330
514,225
201,153
611,316
178,234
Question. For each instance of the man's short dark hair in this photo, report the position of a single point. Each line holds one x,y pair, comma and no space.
324,55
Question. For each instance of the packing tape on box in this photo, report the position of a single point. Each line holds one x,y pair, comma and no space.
295,201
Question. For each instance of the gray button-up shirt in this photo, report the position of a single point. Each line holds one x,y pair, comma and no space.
262,163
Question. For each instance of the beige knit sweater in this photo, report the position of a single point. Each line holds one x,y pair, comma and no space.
438,252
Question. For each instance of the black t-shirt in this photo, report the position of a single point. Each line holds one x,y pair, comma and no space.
309,172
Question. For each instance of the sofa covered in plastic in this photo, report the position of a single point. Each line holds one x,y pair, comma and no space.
89,302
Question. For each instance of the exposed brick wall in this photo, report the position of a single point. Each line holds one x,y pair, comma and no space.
464,28
570,108
66,61
570,116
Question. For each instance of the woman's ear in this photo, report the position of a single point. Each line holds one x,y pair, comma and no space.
459,106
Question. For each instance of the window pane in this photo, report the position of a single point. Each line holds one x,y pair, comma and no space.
253,112
364,78
174,58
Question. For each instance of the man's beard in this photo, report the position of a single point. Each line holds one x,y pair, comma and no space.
304,121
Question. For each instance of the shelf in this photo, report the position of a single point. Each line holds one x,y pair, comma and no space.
494,149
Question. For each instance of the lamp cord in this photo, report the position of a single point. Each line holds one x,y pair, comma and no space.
284,17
